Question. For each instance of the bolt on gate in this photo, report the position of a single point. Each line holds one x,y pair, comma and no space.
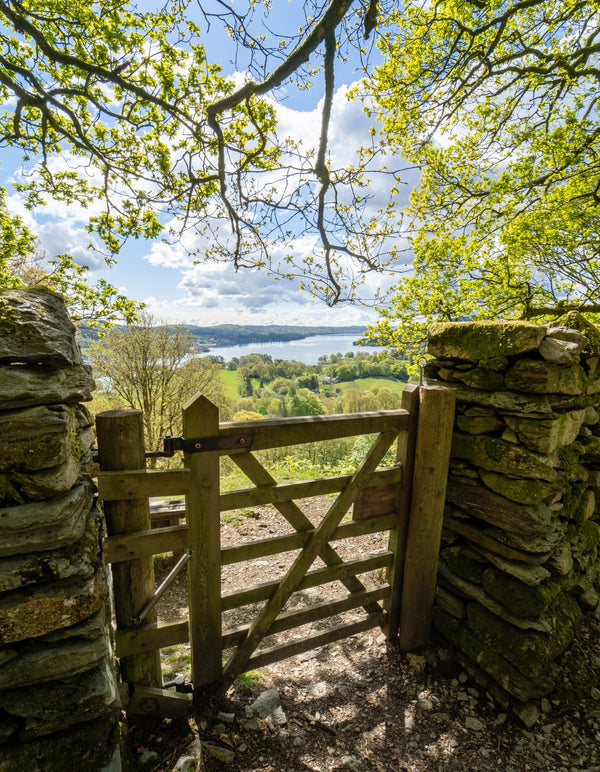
405,499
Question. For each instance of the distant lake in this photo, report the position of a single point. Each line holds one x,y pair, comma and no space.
307,350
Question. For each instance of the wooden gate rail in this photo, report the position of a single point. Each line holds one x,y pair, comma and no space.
158,636
423,426
119,486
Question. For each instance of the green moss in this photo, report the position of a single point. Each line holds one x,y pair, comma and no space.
530,651
521,599
589,537
572,501
568,459
494,363
576,321
461,563
575,680
483,341
498,667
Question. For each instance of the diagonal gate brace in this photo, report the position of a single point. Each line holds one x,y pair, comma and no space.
297,570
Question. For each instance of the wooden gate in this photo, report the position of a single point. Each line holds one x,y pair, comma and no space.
405,498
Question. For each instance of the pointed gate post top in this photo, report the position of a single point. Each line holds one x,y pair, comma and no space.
200,402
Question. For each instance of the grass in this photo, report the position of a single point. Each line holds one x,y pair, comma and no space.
176,659
366,384
231,382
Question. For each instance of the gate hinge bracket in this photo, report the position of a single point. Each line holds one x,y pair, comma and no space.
204,444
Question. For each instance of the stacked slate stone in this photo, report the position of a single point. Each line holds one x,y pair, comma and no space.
520,547
56,663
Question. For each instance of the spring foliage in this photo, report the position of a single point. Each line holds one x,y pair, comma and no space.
497,104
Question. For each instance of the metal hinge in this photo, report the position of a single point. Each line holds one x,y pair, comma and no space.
200,444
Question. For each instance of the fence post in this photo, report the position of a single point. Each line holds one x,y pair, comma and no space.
432,454
201,419
121,447
398,534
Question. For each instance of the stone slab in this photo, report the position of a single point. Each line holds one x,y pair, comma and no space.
560,352
35,611
38,663
477,593
35,328
489,538
528,650
519,489
80,559
546,435
478,341
481,503
24,386
498,667
36,437
534,375
47,708
20,487
503,400
496,455
43,525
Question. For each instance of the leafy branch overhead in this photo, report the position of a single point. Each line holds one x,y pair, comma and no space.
109,103
497,103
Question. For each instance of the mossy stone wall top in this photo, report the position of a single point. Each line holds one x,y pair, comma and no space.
480,341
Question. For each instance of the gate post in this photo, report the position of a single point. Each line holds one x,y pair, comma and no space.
432,456
121,447
398,535
201,419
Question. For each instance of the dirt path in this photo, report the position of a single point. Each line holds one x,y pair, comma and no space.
360,704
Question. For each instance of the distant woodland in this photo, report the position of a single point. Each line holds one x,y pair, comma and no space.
236,334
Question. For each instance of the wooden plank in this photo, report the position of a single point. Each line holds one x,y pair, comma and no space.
201,419
269,494
308,614
263,547
137,640
153,542
280,432
142,484
371,502
341,571
283,651
121,447
432,454
154,702
399,532
175,537
294,575
361,527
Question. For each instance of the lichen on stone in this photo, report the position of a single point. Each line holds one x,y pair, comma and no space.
483,341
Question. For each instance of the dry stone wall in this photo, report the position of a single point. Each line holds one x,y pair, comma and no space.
519,561
56,662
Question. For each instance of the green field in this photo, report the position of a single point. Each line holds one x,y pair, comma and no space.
230,382
366,384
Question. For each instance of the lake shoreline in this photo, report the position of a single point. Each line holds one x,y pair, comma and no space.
307,350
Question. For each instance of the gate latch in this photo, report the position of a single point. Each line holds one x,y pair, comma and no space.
201,444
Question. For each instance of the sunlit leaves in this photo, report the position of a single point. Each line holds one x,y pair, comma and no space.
498,105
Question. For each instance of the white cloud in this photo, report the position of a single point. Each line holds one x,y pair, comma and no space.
210,293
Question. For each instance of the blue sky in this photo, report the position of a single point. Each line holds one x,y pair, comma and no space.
164,276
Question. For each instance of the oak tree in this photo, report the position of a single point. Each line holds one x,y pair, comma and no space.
497,104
